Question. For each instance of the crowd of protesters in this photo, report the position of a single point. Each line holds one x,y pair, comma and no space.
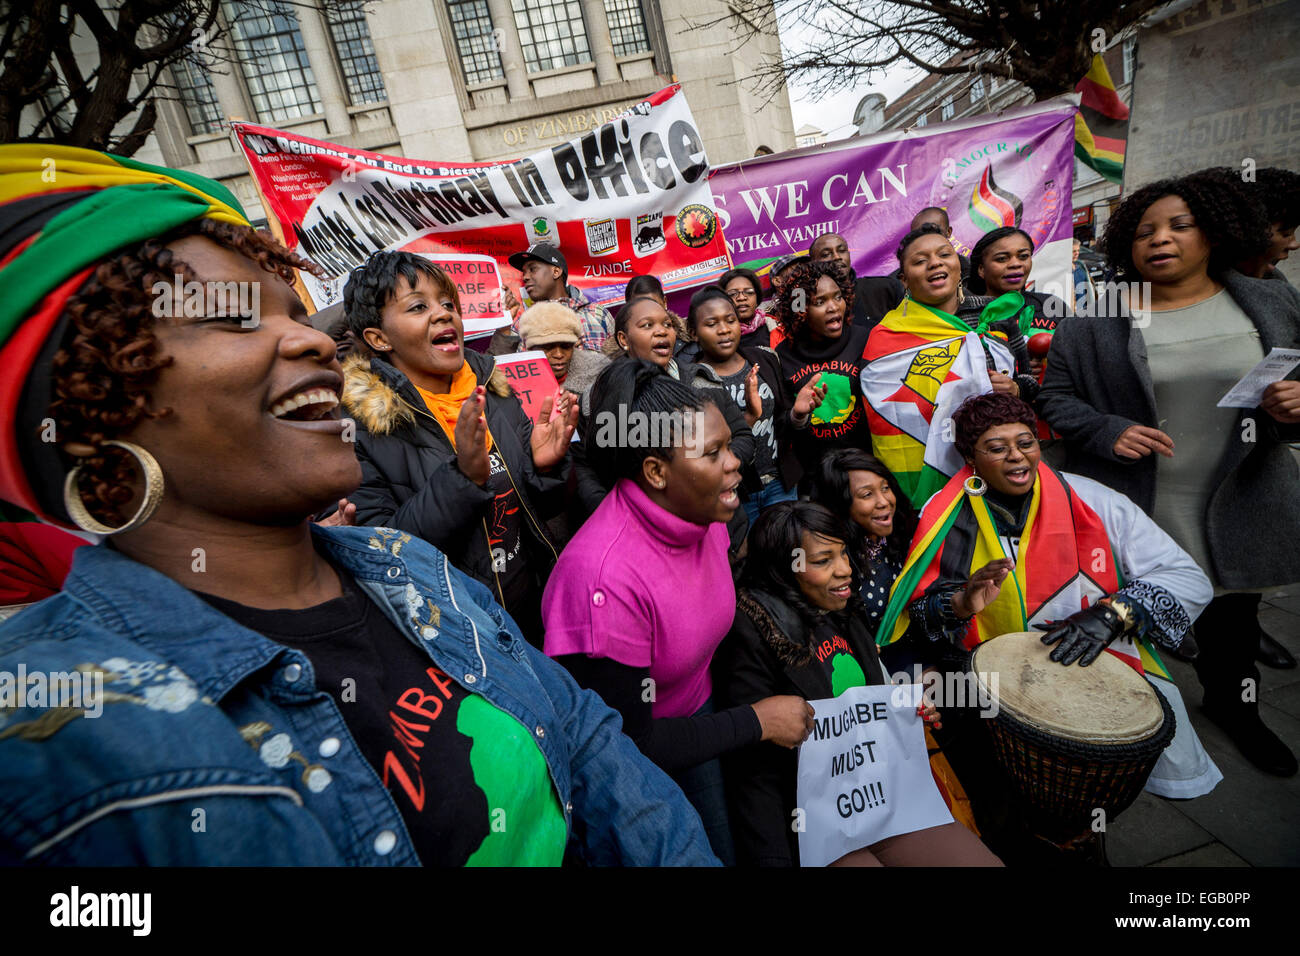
370,610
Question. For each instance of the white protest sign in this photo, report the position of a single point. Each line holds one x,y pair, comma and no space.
864,774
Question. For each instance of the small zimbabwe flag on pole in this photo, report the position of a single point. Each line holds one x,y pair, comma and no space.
1101,125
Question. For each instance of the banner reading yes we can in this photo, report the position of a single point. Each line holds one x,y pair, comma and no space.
628,198
1010,168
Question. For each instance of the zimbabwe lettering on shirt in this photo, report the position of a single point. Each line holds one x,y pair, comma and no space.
403,762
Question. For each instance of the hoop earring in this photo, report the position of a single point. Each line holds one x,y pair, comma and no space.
153,493
977,489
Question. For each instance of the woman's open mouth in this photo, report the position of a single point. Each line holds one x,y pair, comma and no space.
937,279
730,498
315,409
662,348
1020,476
309,405
1160,258
843,591
446,341
885,520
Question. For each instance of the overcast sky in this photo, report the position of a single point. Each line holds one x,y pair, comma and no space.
834,114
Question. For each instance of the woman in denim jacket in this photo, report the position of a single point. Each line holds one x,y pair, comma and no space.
232,684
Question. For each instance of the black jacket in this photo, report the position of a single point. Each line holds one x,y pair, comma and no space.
410,479
1098,383
769,651
874,297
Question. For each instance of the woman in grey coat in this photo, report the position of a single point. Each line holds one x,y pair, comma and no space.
1133,390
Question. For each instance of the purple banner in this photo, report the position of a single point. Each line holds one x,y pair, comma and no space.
1011,168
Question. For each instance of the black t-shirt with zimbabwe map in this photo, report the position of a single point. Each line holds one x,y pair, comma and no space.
472,786
840,421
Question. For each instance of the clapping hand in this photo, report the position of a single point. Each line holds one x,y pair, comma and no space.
556,420
753,401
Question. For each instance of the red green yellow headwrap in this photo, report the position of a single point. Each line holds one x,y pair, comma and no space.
62,210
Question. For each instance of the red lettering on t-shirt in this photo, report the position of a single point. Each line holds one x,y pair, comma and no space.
413,700
440,681
414,788
410,734
402,730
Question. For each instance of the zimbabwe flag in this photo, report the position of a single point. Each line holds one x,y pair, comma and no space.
1101,125
921,364
1064,562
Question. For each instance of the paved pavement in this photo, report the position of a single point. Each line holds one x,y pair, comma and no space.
1251,818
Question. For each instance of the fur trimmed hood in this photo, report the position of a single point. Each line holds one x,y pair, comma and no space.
778,624
381,398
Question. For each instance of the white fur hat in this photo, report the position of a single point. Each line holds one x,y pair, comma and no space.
549,322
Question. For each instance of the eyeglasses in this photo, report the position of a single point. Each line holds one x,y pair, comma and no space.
742,294
999,452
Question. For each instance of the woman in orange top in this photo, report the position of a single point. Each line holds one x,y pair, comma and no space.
446,450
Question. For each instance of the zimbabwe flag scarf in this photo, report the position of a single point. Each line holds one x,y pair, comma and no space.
1064,562
921,364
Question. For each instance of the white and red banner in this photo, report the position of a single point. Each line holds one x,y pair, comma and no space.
628,198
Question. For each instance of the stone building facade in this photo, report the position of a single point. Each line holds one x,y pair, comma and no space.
458,80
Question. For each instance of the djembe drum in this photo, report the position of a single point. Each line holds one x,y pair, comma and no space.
1073,740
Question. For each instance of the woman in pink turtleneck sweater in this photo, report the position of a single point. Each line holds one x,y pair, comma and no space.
642,595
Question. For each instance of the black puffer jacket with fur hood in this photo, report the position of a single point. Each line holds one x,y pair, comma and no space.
410,479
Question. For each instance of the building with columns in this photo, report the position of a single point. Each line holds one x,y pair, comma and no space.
458,80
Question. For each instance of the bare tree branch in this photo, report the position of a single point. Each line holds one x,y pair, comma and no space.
831,45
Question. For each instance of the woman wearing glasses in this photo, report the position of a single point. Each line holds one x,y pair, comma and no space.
1071,557
745,290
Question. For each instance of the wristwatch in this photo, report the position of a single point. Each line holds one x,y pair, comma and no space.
1124,611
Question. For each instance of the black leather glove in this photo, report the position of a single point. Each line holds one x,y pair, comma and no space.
1083,635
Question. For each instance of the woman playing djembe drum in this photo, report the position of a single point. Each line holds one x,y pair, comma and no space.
1091,569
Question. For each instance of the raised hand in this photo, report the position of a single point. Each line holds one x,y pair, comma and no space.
346,516
753,402
809,397
982,589
471,439
1004,383
511,303
556,420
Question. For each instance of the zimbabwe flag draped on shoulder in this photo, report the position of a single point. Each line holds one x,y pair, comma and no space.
921,364
1064,562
